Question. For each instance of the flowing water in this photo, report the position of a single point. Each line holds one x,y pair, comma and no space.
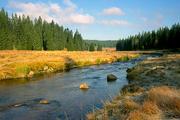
19,99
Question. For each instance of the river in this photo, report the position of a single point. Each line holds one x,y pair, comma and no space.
19,99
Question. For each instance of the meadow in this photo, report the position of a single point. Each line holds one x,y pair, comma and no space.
26,64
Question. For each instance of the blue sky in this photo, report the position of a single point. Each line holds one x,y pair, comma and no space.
101,19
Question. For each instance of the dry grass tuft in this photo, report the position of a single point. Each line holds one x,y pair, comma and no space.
137,115
128,106
165,97
150,108
147,111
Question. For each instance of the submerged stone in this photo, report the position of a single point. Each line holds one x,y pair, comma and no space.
44,101
17,105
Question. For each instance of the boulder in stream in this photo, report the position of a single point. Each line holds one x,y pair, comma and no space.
111,77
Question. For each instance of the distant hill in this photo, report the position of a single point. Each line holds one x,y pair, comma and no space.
104,44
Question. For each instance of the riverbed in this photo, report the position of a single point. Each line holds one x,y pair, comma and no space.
19,99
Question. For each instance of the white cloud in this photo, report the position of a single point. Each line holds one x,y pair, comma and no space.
113,11
53,11
55,8
115,22
82,19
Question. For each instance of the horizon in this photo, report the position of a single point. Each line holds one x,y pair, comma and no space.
108,20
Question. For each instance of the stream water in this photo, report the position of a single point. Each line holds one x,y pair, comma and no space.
19,99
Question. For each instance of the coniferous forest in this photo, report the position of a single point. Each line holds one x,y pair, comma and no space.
163,38
22,33
104,43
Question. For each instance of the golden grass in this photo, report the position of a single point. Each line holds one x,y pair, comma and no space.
16,64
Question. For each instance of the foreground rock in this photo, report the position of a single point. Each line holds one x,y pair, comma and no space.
111,77
84,86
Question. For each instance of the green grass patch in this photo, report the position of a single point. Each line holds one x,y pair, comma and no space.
98,61
24,70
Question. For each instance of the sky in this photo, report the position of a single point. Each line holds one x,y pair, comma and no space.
101,19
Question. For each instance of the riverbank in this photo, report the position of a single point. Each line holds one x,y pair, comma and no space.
153,92
26,64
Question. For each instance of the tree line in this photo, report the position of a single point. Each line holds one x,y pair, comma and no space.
22,33
104,43
163,38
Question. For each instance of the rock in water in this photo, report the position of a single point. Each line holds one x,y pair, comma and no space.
83,86
111,77
44,101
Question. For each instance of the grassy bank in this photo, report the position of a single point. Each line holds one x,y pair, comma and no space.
19,64
153,92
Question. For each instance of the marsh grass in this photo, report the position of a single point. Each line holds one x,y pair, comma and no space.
152,93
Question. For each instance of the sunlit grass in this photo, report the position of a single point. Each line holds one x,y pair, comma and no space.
15,64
